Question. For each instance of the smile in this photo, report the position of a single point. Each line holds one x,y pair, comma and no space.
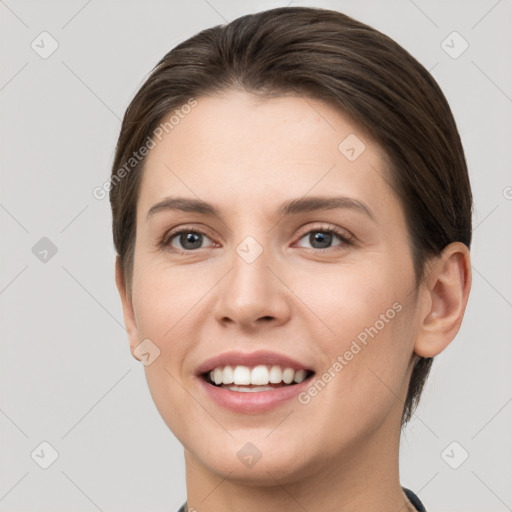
246,379
252,383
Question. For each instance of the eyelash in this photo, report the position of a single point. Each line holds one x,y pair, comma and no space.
346,240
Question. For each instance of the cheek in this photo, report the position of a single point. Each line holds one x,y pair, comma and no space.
363,377
162,312
351,301
163,305
364,332
172,400
163,300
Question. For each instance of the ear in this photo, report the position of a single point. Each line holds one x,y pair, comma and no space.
128,314
446,290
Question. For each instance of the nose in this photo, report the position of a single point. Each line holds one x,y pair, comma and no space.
253,294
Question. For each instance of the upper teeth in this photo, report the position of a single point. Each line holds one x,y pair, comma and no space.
260,375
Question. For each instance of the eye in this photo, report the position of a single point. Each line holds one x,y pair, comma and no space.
188,239
323,237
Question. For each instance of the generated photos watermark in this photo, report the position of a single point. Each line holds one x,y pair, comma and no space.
172,120
342,360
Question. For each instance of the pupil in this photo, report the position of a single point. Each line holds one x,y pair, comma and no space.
192,238
322,238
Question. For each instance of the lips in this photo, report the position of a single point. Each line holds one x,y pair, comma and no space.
252,382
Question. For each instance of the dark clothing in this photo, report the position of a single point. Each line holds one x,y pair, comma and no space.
414,500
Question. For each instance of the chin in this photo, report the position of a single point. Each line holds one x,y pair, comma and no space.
263,473
258,463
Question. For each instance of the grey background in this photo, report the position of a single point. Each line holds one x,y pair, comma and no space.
66,373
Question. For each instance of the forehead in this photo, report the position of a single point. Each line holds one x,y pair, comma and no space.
250,150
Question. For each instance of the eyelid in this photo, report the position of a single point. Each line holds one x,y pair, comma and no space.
346,237
166,239
341,232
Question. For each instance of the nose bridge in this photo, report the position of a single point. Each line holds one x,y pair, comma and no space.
251,291
249,280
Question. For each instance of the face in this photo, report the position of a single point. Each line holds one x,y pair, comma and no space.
325,289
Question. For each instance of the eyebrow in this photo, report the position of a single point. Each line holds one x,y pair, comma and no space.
290,207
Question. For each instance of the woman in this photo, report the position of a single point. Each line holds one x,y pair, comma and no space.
292,217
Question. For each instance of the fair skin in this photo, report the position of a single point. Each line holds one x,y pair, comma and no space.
247,156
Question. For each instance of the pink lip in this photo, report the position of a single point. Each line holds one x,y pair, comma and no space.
249,359
256,402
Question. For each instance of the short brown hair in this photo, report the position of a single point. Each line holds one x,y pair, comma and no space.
325,55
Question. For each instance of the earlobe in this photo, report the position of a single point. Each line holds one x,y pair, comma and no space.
127,305
447,285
